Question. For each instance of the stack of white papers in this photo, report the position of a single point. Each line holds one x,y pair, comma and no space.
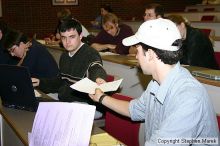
88,86
62,124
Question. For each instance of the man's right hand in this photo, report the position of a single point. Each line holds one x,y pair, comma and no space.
35,82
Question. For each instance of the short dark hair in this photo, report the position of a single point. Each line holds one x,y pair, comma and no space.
158,9
68,24
167,57
13,37
107,7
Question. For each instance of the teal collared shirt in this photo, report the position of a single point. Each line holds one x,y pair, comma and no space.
178,108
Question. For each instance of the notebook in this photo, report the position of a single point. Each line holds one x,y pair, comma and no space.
209,74
16,89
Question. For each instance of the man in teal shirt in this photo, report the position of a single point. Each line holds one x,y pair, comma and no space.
175,106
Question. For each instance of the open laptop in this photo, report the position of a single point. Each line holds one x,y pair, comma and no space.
16,89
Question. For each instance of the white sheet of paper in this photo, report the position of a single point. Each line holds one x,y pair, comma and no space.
87,86
62,124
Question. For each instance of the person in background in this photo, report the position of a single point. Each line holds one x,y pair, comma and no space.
111,36
152,11
175,105
62,15
31,54
5,57
78,62
105,9
197,47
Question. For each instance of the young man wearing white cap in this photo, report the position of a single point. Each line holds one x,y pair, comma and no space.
175,106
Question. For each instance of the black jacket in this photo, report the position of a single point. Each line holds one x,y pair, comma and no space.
198,49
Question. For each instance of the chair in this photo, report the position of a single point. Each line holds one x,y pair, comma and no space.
122,127
218,119
211,18
208,9
217,58
192,10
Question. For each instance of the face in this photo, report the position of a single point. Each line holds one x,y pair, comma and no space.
18,50
111,28
103,12
71,40
149,14
1,34
182,29
143,60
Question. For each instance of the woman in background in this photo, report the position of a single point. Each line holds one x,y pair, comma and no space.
197,47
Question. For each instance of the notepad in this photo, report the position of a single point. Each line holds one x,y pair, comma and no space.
209,74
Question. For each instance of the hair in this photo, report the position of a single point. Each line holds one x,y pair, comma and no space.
178,19
107,7
110,17
167,57
13,37
68,24
64,14
158,9
3,27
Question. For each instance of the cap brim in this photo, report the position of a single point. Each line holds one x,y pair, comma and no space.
129,41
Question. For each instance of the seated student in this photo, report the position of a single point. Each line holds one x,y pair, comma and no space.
197,47
152,11
105,9
78,62
61,15
5,57
31,54
112,35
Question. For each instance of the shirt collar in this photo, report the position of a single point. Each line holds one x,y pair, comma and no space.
71,55
165,86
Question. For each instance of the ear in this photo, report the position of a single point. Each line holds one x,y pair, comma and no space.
151,54
81,36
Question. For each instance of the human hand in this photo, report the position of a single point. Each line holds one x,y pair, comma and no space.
98,93
35,82
100,81
110,46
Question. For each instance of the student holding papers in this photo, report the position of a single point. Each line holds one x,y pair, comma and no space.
175,106
79,61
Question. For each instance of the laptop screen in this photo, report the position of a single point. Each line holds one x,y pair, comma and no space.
16,89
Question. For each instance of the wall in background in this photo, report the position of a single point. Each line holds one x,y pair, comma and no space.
39,16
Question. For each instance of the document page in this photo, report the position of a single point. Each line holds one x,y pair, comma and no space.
88,86
62,124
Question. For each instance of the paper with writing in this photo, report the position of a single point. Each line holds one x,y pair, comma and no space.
62,124
87,86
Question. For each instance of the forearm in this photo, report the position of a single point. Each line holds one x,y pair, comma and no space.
99,47
119,106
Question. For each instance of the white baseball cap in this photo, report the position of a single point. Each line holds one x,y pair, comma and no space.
159,33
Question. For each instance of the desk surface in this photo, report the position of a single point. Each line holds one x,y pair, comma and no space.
130,61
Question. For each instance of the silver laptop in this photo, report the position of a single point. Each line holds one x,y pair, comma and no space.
209,74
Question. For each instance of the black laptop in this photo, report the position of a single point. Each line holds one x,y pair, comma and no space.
16,89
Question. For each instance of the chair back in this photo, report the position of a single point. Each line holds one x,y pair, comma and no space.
122,127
